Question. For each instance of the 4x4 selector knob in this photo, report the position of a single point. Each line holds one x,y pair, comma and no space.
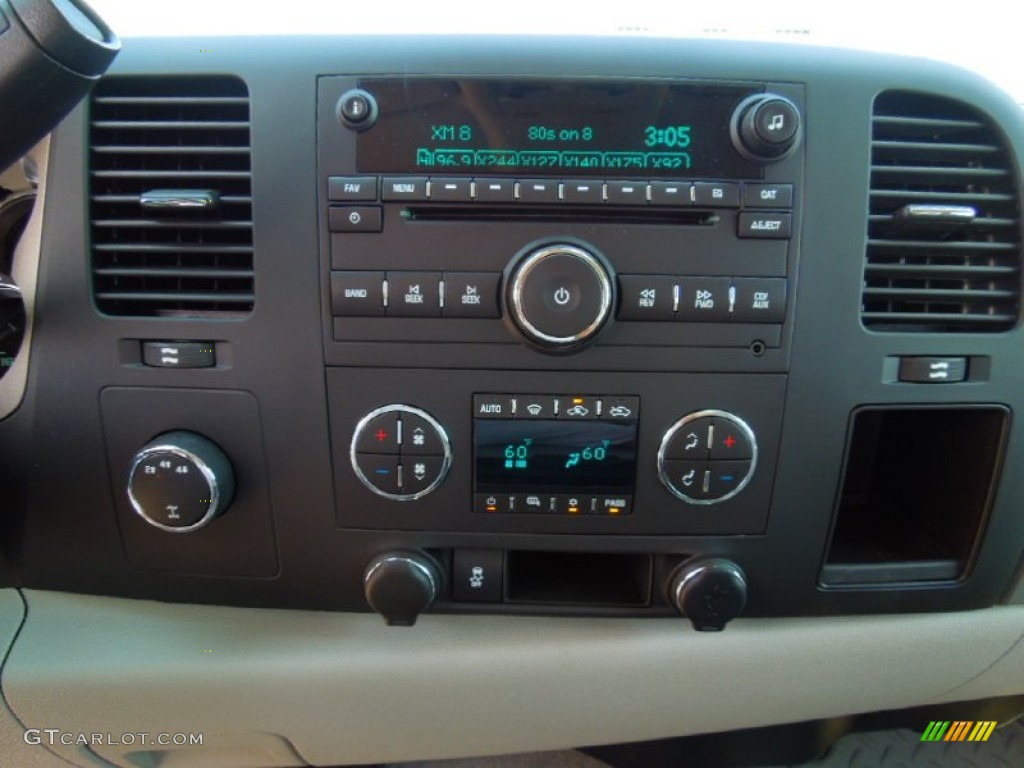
180,481
559,296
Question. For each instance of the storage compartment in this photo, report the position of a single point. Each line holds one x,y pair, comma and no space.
915,494
578,578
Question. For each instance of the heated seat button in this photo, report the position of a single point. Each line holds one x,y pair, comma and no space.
178,354
728,440
704,299
414,294
933,370
357,294
471,294
759,300
646,297
477,575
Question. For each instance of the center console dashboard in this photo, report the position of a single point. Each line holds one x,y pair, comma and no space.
710,329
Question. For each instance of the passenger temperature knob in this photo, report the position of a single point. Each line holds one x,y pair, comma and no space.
180,481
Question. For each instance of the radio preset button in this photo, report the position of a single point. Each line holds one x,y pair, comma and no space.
471,294
495,190
414,294
626,192
759,300
449,190
357,294
404,188
772,226
716,194
348,189
670,193
646,297
704,299
537,191
582,192
768,195
355,218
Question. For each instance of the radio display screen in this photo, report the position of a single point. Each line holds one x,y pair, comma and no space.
552,128
558,456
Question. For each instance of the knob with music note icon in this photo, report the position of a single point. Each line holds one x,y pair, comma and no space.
765,127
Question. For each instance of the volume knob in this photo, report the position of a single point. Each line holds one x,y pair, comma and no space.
560,296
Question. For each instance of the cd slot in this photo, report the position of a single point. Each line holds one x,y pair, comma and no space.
561,213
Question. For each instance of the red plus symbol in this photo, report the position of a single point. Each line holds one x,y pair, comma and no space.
730,441
381,435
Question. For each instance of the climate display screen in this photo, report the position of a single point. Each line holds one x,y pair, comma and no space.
552,128
555,456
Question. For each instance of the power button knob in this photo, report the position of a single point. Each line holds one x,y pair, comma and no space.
559,296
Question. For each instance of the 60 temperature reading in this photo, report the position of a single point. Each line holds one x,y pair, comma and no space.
589,453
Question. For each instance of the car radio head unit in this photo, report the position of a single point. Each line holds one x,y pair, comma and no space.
565,127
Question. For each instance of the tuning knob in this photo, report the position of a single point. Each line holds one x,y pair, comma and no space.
559,296
710,592
401,585
180,482
765,127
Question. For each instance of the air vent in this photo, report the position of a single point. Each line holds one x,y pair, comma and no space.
171,197
943,252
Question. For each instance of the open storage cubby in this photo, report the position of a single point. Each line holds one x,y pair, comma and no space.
578,578
915,493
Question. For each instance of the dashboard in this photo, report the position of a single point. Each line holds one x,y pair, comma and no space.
588,343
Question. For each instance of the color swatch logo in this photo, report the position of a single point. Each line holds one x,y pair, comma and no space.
958,730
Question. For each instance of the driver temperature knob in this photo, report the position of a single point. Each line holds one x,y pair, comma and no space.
710,592
180,481
401,585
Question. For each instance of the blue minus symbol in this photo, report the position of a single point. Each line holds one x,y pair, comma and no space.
727,478
382,471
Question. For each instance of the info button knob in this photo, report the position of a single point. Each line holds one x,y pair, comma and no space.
560,296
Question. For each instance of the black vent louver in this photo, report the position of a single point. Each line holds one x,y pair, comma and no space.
166,138
943,251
